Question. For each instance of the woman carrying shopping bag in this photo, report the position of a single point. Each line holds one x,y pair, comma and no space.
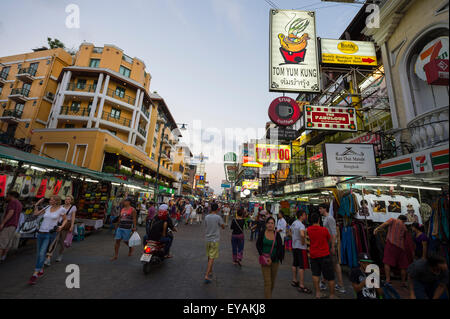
48,230
127,226
237,237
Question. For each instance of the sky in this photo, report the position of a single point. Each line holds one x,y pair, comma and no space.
209,59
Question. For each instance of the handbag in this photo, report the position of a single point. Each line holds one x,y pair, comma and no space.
265,258
68,240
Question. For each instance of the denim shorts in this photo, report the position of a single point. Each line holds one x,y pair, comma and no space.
122,233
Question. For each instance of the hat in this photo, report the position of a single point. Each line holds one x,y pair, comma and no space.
163,207
364,258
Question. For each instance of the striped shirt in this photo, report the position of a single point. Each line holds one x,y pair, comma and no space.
396,232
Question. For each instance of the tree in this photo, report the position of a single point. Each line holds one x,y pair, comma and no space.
55,43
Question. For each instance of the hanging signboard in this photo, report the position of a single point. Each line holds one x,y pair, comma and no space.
282,134
436,49
250,184
348,52
284,111
294,64
330,118
230,157
273,153
349,160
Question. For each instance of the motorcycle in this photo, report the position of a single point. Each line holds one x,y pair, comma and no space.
153,255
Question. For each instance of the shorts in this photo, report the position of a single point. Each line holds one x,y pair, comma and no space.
122,233
7,237
395,256
322,266
212,250
300,258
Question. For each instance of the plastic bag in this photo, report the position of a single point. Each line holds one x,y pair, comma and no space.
135,240
68,240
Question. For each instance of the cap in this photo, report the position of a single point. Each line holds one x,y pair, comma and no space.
364,258
163,207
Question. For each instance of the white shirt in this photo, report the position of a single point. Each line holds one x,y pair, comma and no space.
69,214
50,220
226,211
281,225
188,208
296,227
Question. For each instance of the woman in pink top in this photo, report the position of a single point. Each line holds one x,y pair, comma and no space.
127,225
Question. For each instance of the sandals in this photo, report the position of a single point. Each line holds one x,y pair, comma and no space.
295,284
304,290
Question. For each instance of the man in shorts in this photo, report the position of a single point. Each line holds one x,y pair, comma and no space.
9,223
299,251
319,251
213,222
394,250
330,224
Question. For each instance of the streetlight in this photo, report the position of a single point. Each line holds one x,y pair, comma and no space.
165,125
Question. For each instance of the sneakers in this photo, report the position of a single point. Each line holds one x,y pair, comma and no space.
47,262
32,280
40,274
340,289
59,258
323,286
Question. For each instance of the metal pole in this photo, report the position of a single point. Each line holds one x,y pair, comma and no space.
159,161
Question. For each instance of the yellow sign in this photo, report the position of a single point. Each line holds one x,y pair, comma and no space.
266,153
349,59
348,52
348,47
250,184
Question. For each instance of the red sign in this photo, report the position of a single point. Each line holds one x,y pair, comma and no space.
284,111
437,72
330,118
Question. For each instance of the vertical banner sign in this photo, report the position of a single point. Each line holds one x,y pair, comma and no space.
294,65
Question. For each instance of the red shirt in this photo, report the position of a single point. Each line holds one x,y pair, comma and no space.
16,206
318,237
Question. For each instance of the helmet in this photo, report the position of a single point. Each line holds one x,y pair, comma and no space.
163,212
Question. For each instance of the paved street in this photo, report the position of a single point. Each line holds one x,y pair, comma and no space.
179,278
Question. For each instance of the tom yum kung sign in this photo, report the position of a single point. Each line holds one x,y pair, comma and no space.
330,118
349,160
294,62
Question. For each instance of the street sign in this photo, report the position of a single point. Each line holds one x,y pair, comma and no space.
282,134
294,64
284,111
330,118
230,157
348,52
225,186
273,153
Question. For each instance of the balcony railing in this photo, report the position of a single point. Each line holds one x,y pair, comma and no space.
146,112
122,97
31,71
12,113
20,91
81,88
429,129
3,75
75,111
117,120
142,131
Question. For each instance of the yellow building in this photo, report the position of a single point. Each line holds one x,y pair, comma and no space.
182,166
104,118
28,84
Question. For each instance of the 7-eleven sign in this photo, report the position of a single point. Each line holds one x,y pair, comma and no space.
422,164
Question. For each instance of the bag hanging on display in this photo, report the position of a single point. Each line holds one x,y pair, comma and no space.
57,187
34,186
135,240
68,240
266,259
3,179
18,184
50,185
42,189
26,189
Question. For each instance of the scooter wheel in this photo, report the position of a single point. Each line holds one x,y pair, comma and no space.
146,268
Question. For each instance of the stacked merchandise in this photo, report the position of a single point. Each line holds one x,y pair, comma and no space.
438,227
92,204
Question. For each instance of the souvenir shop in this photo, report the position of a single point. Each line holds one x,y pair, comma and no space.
35,177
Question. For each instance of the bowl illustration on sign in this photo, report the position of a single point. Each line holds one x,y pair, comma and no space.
293,46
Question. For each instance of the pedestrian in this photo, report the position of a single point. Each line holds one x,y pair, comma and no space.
237,237
126,226
330,224
281,226
70,210
319,251
187,212
253,226
299,252
9,223
151,211
213,222
226,212
428,278
421,241
269,243
199,213
193,214
358,277
394,251
47,232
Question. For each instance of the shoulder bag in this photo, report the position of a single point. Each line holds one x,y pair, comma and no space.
265,259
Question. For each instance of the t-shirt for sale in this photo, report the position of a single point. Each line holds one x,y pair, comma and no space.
281,225
213,223
357,276
318,238
296,227
15,206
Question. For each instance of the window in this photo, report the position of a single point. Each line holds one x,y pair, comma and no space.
124,71
81,84
19,108
75,107
27,125
5,72
33,68
126,58
94,63
113,132
69,126
1,89
97,50
153,156
89,107
115,113
26,89
157,127
19,66
120,91
94,86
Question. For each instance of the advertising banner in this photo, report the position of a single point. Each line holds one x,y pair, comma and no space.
348,52
284,111
294,64
330,118
273,153
247,184
349,159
